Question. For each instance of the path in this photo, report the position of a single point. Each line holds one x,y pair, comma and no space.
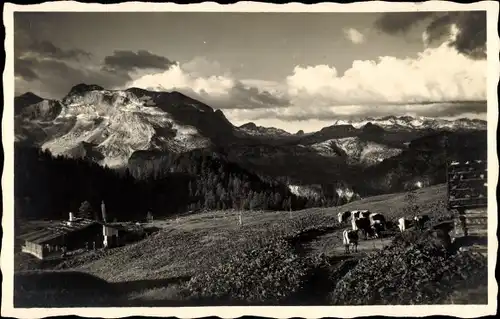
331,244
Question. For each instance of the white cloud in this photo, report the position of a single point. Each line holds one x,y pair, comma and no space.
354,35
437,74
386,86
425,39
203,83
175,78
202,67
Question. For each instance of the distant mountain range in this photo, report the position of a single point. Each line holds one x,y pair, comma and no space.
389,123
134,126
394,123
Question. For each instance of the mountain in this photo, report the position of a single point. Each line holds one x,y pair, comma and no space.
110,125
146,132
252,129
356,150
423,162
402,123
28,98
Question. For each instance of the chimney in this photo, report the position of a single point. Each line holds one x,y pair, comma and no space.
103,210
71,217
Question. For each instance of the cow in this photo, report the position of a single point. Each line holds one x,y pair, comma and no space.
376,229
377,218
343,216
403,224
363,224
353,223
421,220
364,213
350,237
355,214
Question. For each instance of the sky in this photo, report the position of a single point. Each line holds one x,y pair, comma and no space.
295,71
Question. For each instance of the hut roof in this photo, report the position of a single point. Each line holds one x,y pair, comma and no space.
56,230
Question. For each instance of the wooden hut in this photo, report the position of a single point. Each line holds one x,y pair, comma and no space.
63,236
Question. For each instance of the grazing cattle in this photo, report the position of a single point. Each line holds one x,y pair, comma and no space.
353,224
421,220
354,214
364,213
377,218
350,237
343,216
363,224
376,229
403,224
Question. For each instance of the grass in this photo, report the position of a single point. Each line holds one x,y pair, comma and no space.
61,289
214,254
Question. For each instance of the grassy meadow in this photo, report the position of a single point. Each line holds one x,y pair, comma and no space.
272,258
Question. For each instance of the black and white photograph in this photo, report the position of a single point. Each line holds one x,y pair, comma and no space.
173,158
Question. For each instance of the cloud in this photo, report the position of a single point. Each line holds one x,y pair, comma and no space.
46,69
471,25
218,91
24,68
53,78
130,61
437,74
451,68
354,36
48,49
357,112
471,37
202,67
439,82
400,22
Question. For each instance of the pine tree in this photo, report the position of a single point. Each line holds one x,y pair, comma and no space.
85,210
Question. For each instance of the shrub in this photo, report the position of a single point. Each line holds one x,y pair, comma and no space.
413,270
270,274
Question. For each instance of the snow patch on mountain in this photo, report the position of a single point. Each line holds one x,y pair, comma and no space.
358,151
416,123
326,148
365,152
117,123
347,194
308,191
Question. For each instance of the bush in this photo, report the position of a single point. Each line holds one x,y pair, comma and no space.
270,274
413,270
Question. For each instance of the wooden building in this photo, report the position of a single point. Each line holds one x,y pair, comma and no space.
75,233
468,195
467,184
62,236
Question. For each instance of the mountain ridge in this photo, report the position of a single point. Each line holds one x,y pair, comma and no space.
117,128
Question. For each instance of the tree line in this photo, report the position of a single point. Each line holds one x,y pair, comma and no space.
49,187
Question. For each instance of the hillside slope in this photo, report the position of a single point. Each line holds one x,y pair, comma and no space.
158,271
164,254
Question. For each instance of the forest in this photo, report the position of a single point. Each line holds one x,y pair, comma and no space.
48,187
